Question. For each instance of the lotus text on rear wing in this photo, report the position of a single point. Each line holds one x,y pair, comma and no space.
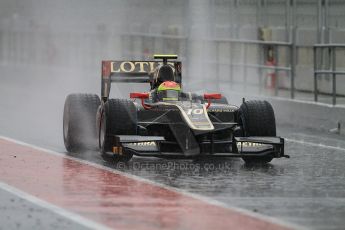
135,66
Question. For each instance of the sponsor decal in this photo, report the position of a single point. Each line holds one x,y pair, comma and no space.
221,110
145,143
248,144
135,66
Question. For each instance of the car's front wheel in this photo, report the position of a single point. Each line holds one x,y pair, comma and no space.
257,119
79,129
117,117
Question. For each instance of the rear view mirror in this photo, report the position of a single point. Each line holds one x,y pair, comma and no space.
142,97
209,96
139,95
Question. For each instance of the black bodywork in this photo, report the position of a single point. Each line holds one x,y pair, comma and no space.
163,132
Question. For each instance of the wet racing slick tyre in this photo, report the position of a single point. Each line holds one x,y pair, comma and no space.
118,117
257,119
79,128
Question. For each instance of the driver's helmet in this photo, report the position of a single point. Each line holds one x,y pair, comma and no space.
162,74
168,91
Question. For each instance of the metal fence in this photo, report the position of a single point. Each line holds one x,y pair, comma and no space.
233,40
325,63
237,61
294,25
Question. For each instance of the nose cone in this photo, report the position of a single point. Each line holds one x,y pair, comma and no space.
195,115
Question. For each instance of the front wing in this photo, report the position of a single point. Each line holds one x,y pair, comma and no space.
238,147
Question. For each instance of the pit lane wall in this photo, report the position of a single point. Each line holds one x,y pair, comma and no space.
303,114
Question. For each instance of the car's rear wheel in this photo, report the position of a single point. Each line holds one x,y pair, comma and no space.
257,119
118,117
79,129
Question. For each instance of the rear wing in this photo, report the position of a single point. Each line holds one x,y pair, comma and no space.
132,72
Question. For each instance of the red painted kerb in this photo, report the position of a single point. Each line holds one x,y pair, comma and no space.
110,198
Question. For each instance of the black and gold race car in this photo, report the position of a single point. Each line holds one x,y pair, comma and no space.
166,121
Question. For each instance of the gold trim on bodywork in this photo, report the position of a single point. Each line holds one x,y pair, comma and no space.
189,122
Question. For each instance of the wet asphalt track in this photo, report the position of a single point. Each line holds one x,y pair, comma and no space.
308,189
18,213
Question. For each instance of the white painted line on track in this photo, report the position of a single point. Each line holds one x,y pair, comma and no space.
315,144
192,195
303,135
60,211
277,98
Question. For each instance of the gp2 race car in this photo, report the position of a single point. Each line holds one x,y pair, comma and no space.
167,122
